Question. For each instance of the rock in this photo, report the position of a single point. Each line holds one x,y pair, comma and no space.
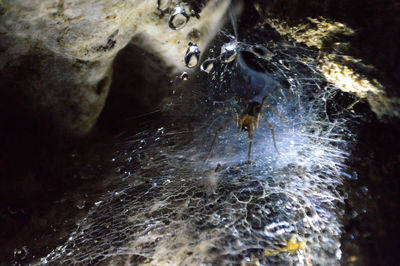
358,55
56,56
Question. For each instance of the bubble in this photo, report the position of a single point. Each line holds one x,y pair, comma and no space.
184,75
178,19
163,5
207,65
192,55
229,52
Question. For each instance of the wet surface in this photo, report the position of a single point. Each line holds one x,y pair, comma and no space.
49,183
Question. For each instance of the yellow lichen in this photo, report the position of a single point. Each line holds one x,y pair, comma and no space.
352,259
292,246
319,32
316,33
344,78
347,80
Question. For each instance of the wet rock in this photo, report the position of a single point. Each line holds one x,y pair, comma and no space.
362,51
56,56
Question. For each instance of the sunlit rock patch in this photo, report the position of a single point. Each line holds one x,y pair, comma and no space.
326,35
348,81
317,32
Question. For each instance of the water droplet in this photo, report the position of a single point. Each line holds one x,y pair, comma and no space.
195,13
178,19
192,55
229,52
21,253
161,130
338,254
207,65
364,190
162,5
184,75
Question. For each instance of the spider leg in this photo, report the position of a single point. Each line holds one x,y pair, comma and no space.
272,131
233,98
249,153
275,112
228,109
268,95
248,91
216,135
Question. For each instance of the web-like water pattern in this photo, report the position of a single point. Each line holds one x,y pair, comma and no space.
171,208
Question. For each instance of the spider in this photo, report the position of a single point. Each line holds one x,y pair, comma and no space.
249,119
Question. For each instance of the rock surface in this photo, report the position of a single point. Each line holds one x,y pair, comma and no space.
56,56
356,54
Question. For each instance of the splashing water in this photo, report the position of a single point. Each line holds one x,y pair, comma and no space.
169,209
